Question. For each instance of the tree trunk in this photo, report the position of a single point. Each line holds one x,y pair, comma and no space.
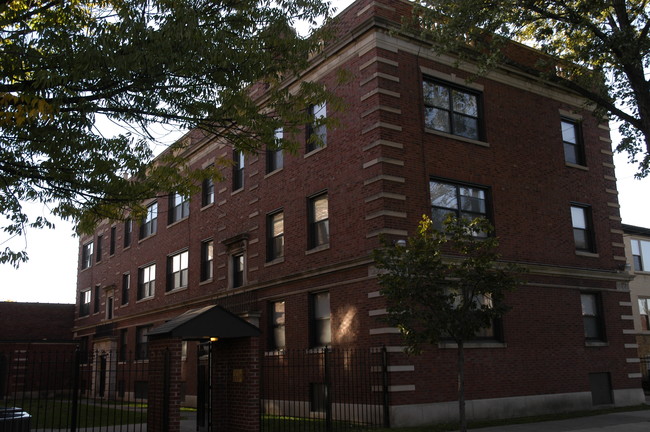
461,388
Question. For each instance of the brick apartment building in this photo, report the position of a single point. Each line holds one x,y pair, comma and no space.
285,240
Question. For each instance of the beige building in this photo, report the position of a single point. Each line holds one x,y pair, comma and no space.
637,249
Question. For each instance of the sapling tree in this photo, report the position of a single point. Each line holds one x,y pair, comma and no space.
445,286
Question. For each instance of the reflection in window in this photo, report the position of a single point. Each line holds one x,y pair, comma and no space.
317,132
177,271
238,270
149,224
274,154
321,319
87,255
573,148
275,238
179,207
644,312
641,255
237,170
461,201
277,324
147,282
582,229
592,317
318,221
451,110
207,258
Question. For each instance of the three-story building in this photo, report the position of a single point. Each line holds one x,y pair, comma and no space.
285,240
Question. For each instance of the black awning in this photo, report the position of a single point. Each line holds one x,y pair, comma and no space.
205,323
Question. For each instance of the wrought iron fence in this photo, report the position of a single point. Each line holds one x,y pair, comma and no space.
324,390
64,388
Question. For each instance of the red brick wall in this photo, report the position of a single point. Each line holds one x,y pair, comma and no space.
36,321
531,189
236,385
164,388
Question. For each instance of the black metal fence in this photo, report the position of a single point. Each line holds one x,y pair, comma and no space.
65,388
324,390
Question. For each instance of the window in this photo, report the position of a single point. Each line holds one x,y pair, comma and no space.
274,155
126,285
100,241
583,235
179,207
320,319
147,281
207,192
318,221
275,236
109,308
123,345
237,170
141,342
128,230
592,317
113,240
97,297
641,255
237,270
87,255
177,271
84,303
452,109
644,311
149,224
571,138
207,260
277,334
316,131
493,332
459,200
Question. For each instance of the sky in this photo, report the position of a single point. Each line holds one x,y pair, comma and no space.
51,272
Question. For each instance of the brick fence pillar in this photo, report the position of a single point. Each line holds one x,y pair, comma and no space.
236,385
164,387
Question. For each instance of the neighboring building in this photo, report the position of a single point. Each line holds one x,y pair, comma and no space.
36,322
637,249
34,334
285,240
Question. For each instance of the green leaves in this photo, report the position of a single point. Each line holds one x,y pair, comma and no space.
444,285
218,66
598,49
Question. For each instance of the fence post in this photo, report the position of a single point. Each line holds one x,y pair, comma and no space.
328,399
75,389
384,382
166,387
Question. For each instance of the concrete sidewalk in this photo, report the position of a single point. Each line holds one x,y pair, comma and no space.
632,421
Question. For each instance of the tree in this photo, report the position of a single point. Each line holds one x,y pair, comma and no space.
600,50
217,66
445,286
